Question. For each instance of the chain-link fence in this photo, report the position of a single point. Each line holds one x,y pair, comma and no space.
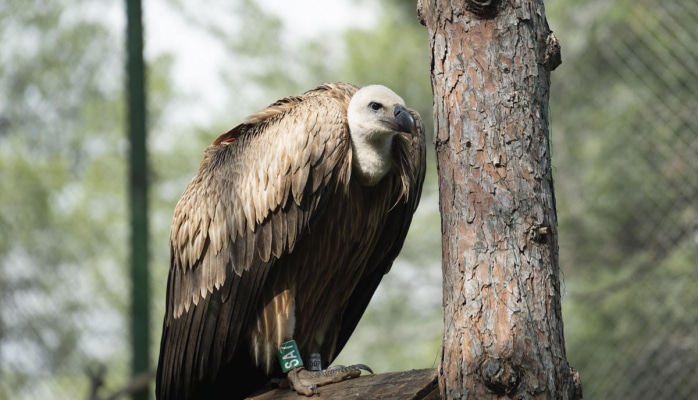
625,136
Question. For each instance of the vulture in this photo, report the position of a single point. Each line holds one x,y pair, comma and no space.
282,237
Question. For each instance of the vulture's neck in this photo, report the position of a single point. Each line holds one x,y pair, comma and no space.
372,157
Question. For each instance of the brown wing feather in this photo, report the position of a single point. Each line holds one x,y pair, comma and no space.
338,267
410,159
254,195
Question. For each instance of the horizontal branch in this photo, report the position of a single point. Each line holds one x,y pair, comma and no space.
417,384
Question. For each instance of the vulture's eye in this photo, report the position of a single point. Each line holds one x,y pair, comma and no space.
375,106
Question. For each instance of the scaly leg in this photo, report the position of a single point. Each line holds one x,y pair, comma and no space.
306,382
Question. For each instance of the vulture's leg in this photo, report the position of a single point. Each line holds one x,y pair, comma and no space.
306,382
281,310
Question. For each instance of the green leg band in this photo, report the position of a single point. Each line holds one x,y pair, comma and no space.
289,356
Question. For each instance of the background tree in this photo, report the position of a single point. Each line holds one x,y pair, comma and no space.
503,321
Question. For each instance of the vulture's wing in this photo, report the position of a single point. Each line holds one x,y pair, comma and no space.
412,156
255,193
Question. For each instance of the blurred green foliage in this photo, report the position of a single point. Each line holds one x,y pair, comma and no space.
63,281
62,228
624,149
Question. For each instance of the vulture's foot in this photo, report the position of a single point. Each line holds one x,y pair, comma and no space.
306,382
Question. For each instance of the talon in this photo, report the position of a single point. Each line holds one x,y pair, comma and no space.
364,367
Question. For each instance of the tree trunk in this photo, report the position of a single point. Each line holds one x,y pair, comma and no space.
503,335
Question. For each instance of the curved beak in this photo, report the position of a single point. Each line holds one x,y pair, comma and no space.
404,119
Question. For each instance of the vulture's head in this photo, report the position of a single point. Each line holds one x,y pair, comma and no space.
375,115
376,111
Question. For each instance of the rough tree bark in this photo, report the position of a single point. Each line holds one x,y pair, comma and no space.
503,336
